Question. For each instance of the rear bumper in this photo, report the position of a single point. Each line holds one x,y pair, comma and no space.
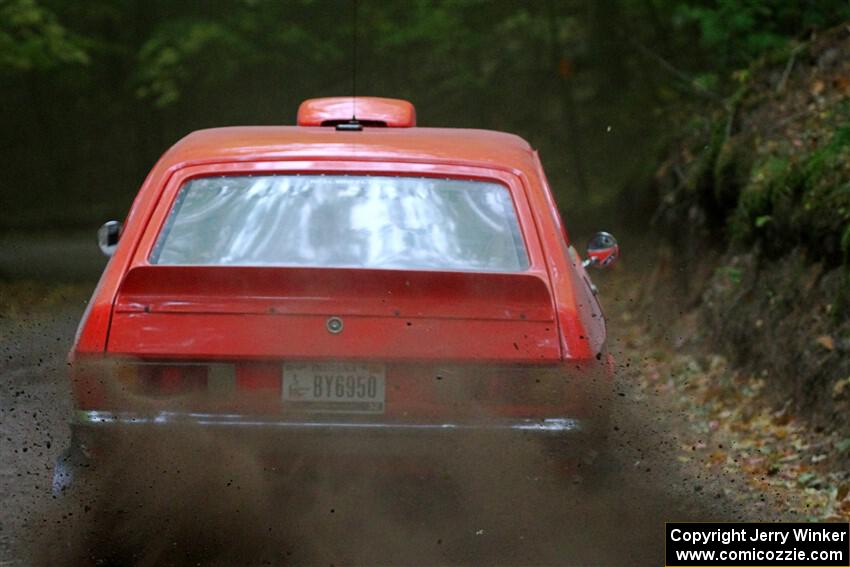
97,434
104,419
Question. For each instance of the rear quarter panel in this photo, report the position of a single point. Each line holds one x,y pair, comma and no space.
93,331
580,316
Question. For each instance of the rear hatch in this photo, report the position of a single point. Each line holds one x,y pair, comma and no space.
367,295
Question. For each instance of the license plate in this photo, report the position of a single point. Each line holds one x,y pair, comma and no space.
334,387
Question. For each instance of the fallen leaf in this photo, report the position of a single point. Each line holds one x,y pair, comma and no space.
782,419
807,479
717,458
826,342
839,387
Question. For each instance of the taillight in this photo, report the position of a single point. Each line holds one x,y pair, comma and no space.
171,379
112,383
535,386
521,385
517,390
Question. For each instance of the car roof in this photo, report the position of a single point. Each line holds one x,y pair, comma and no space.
261,143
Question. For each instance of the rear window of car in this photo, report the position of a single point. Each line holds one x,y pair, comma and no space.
343,221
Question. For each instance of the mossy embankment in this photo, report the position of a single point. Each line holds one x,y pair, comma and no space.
755,204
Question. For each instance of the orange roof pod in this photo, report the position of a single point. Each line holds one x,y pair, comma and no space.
366,111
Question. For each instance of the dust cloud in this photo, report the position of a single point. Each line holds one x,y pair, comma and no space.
198,497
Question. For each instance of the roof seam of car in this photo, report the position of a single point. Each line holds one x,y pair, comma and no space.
478,164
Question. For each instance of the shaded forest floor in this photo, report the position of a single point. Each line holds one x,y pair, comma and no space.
724,421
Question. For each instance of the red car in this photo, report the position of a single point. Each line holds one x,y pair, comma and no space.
353,275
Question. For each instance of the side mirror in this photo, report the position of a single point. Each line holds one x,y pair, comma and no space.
107,237
602,251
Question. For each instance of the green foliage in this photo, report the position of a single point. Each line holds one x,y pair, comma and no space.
730,174
731,274
211,51
762,220
31,38
800,200
768,185
843,445
845,244
743,30
168,60
594,84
